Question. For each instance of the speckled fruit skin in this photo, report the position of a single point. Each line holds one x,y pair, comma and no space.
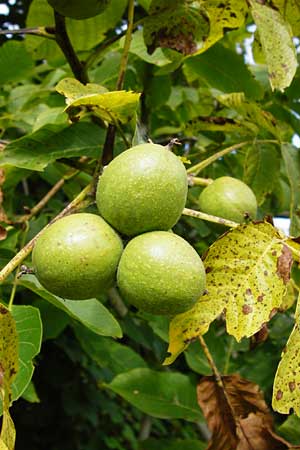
143,189
161,273
77,256
228,198
79,9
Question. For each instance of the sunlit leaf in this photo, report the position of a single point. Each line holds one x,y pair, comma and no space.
277,44
113,107
223,15
286,389
247,272
290,10
9,367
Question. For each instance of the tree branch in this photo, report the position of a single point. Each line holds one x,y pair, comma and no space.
65,45
46,32
107,154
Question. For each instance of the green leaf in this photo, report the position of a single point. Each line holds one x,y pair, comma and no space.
9,367
287,378
218,68
177,26
84,34
36,150
54,320
160,394
15,62
30,394
261,169
250,113
91,313
29,329
290,429
113,107
291,158
108,353
247,271
138,47
277,44
223,15
172,444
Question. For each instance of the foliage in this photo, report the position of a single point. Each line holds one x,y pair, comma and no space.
222,78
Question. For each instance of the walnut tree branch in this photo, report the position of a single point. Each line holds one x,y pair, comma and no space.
65,45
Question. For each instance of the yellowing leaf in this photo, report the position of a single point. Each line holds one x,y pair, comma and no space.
8,370
277,44
247,272
286,388
223,15
113,107
290,10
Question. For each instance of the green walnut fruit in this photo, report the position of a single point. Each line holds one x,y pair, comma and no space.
161,273
143,189
79,9
228,198
77,256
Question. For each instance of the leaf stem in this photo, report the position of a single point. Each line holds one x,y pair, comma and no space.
25,251
66,47
211,362
209,218
194,170
228,355
46,32
107,154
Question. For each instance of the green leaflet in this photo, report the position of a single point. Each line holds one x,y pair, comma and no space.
277,44
261,169
247,271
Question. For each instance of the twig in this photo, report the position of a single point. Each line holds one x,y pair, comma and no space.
209,218
46,32
196,181
25,251
194,170
15,283
65,45
107,154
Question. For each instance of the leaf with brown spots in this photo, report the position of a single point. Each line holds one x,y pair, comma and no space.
8,370
182,27
237,415
286,388
247,279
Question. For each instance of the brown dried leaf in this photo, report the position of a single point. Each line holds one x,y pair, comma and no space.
237,415
3,232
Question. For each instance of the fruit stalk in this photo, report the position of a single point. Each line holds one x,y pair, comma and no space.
194,170
25,251
209,218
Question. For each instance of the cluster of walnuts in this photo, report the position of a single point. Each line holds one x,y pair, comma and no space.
140,197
